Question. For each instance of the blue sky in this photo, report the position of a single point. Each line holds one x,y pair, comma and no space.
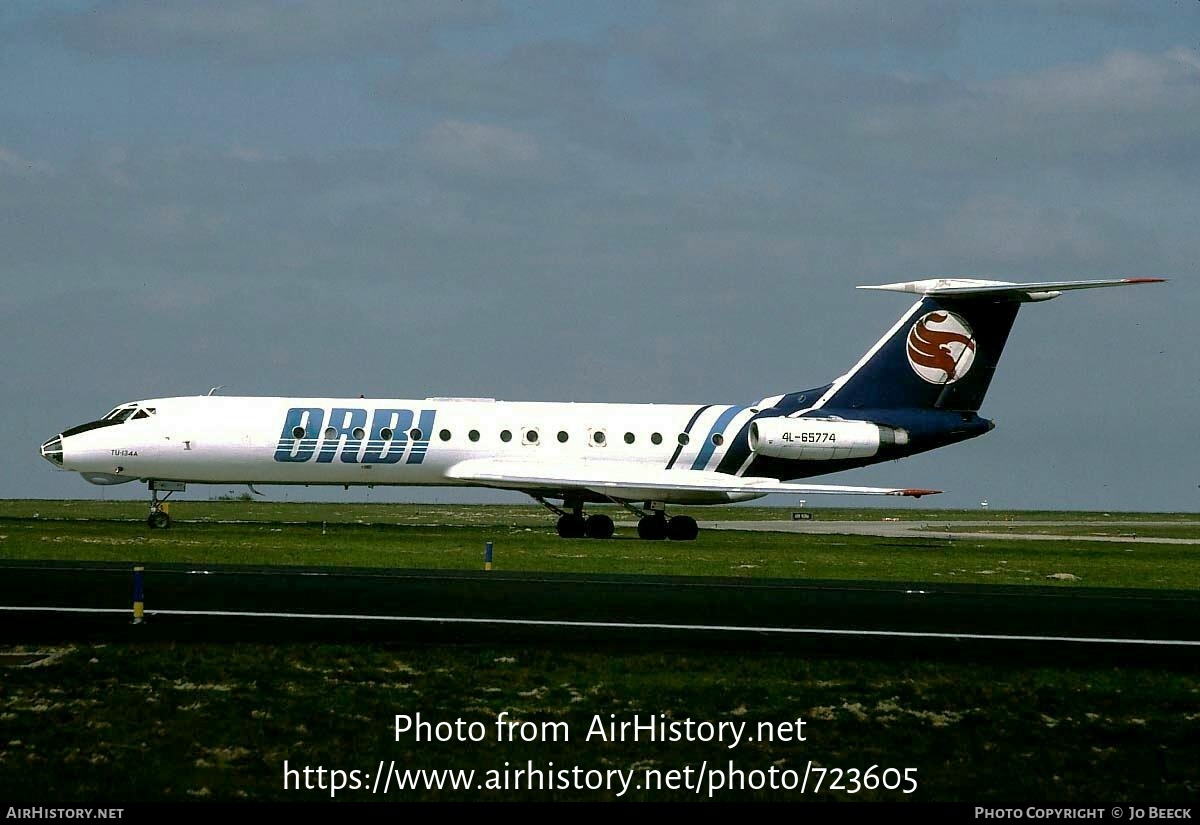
617,202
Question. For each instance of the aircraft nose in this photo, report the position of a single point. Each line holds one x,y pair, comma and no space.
52,451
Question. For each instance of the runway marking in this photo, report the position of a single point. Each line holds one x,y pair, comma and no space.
813,631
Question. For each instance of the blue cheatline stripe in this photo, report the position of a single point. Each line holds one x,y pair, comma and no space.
687,429
737,454
708,448
417,454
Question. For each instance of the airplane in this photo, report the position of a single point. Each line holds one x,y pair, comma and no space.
920,387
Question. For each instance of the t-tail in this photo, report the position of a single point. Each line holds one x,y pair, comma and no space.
920,387
943,353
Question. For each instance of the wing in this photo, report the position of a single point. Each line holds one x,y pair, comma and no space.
622,480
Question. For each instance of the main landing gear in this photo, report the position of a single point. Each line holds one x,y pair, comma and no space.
656,526
653,524
573,525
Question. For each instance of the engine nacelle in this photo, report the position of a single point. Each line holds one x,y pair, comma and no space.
821,439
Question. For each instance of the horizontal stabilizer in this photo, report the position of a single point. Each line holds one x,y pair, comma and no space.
967,287
624,480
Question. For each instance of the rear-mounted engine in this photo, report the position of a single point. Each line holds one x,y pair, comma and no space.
821,439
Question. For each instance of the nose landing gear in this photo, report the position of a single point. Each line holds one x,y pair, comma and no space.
159,518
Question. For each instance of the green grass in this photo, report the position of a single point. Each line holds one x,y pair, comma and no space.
96,724
524,514
152,722
454,536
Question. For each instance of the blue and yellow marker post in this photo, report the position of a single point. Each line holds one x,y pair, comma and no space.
487,557
138,594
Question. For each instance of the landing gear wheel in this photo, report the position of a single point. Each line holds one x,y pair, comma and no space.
571,526
682,528
652,528
599,526
159,518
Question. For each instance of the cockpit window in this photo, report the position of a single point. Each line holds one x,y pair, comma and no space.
128,412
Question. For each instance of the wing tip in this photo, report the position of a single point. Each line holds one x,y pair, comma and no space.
914,492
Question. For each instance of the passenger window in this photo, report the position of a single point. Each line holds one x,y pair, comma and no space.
684,439
629,438
444,435
505,436
562,436
656,438
473,435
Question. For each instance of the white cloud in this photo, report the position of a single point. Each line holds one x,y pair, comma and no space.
554,87
812,24
14,165
258,30
1005,229
1122,82
483,149
1075,116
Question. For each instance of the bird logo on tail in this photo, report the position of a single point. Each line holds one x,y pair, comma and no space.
941,347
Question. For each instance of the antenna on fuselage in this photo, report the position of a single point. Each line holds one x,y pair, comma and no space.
214,389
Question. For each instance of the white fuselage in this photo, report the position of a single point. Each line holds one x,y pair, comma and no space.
918,388
358,441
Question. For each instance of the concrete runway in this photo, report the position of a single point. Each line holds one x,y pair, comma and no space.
46,601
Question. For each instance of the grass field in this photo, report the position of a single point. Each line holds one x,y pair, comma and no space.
94,724
524,514
523,538
219,721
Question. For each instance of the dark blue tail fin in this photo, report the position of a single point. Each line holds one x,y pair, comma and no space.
943,353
